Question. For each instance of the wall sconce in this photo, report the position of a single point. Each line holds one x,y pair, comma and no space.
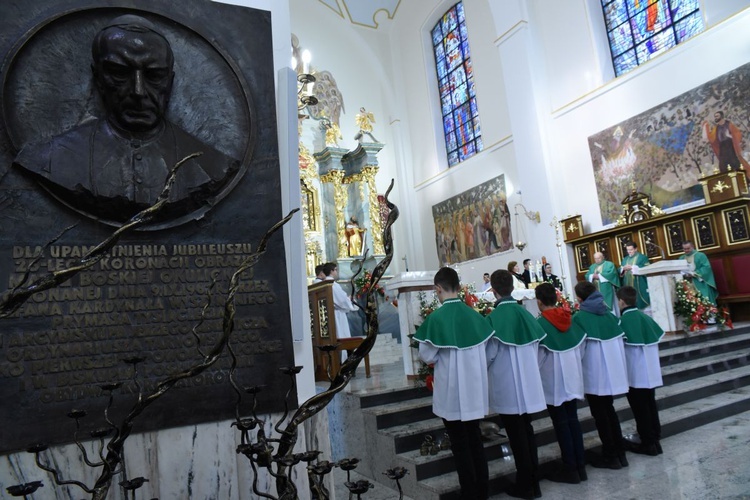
535,216
305,82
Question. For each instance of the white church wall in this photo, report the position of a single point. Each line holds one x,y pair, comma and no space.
687,66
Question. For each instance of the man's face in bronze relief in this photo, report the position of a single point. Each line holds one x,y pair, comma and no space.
133,73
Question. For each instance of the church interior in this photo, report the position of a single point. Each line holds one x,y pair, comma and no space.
550,149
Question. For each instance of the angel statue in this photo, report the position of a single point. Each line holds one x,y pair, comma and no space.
364,120
333,133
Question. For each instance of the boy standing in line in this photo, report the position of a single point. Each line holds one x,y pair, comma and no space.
515,385
642,336
562,378
453,338
604,371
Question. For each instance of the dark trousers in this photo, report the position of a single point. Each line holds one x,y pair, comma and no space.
643,404
471,463
607,424
523,445
568,433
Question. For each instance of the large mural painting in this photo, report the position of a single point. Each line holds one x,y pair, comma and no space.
473,224
664,151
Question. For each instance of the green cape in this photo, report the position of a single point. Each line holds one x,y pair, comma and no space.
454,325
513,324
704,280
598,327
639,328
607,288
638,282
559,341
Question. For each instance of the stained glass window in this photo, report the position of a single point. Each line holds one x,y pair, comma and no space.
638,30
463,136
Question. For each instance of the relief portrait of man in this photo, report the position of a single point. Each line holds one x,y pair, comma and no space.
114,166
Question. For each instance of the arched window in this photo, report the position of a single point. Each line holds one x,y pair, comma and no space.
463,135
640,29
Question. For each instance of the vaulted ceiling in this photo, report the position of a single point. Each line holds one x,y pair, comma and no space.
363,12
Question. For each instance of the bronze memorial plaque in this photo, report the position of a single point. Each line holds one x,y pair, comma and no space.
100,100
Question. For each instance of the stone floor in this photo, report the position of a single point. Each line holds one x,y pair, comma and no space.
710,462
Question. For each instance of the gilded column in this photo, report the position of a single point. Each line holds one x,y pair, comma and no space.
336,179
368,173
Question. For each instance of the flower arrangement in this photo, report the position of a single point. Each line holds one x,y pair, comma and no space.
363,285
696,310
566,303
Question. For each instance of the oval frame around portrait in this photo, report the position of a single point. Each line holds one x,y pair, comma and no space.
47,89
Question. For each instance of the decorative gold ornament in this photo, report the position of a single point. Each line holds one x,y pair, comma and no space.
377,231
719,187
336,178
572,228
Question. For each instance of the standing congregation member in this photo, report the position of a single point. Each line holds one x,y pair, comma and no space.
603,274
604,371
515,385
634,261
453,338
562,377
642,336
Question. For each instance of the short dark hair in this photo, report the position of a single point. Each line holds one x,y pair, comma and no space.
584,289
546,293
688,242
447,279
525,261
319,269
502,282
631,244
329,267
486,274
511,265
627,294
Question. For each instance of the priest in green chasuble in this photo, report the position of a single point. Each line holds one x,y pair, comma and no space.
603,274
633,261
700,273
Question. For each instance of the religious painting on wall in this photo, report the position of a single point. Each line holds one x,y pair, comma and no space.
473,224
664,151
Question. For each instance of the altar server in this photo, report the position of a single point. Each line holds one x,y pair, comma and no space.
604,371
642,336
562,377
454,338
515,384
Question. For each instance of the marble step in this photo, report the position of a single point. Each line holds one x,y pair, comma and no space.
674,420
673,354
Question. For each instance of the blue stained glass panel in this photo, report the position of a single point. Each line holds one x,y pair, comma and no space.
682,8
453,159
448,125
456,81
652,26
654,45
650,21
450,21
615,14
620,39
688,27
625,62
480,144
437,35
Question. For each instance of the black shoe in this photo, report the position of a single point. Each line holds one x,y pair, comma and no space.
646,449
516,492
623,460
606,463
582,473
569,476
537,490
658,448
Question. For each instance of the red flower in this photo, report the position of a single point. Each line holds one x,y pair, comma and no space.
429,381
